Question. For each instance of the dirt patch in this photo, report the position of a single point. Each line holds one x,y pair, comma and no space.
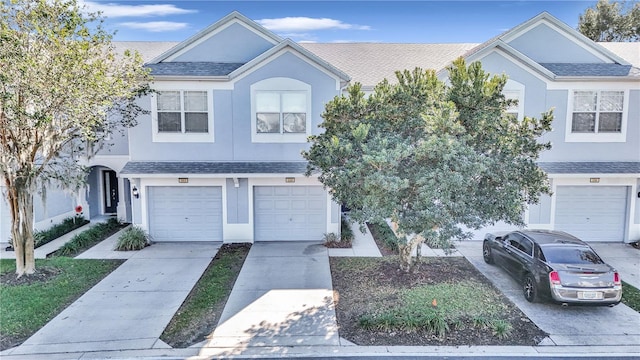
41,275
378,286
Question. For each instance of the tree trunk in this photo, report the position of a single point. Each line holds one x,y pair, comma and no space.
21,205
406,260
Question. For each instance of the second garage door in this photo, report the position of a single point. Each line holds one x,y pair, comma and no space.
592,213
289,213
191,213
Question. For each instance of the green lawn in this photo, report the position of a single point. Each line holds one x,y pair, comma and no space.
631,296
200,312
26,308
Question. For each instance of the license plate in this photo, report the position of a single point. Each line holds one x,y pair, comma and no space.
590,295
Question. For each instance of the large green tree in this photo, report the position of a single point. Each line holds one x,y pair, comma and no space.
430,157
611,21
61,85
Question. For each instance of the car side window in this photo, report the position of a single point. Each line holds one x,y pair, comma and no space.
526,245
521,243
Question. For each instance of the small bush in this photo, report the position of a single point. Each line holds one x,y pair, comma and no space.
346,234
67,225
384,233
134,238
501,328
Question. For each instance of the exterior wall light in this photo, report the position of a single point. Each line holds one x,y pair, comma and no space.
135,192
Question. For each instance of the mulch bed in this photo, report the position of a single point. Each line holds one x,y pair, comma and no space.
356,290
42,274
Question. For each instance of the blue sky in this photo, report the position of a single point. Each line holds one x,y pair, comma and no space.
334,21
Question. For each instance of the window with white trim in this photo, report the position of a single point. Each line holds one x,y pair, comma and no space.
281,111
182,116
514,109
597,111
183,111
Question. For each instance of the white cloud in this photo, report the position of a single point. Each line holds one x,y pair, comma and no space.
155,26
301,24
114,10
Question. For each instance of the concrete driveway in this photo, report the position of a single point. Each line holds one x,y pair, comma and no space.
576,325
282,297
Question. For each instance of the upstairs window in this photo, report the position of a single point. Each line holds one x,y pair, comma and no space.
183,112
514,110
281,112
597,112
182,115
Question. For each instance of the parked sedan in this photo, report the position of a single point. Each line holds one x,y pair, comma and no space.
554,265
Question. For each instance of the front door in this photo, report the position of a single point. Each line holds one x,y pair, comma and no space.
110,191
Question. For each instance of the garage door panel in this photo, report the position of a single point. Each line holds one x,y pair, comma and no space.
289,213
185,213
592,213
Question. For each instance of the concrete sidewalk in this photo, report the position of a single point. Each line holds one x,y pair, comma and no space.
283,297
128,309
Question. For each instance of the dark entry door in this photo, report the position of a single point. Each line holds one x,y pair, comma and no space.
110,191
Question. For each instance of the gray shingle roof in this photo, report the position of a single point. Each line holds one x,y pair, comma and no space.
613,167
629,51
576,69
201,167
192,68
370,63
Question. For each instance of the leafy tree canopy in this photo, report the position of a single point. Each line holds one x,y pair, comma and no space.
608,21
61,85
430,156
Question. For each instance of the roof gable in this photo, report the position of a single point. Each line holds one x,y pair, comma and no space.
226,34
544,38
291,46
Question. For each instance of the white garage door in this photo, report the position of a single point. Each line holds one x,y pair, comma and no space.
592,213
191,213
289,213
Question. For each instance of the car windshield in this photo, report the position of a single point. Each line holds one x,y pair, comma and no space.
571,255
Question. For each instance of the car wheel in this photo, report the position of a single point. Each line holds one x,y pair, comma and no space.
530,288
486,253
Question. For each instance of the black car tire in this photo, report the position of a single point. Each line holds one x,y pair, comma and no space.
530,288
486,253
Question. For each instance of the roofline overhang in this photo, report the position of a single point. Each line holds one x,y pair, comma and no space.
190,77
597,78
208,176
600,175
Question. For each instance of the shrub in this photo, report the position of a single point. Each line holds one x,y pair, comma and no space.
346,234
134,238
501,328
67,225
384,233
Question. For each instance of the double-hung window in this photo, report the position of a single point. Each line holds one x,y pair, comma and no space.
183,115
280,111
597,111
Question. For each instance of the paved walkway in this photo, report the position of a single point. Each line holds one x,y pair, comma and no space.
128,309
283,297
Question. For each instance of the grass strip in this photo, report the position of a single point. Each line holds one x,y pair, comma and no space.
631,296
88,238
199,313
29,306
67,225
